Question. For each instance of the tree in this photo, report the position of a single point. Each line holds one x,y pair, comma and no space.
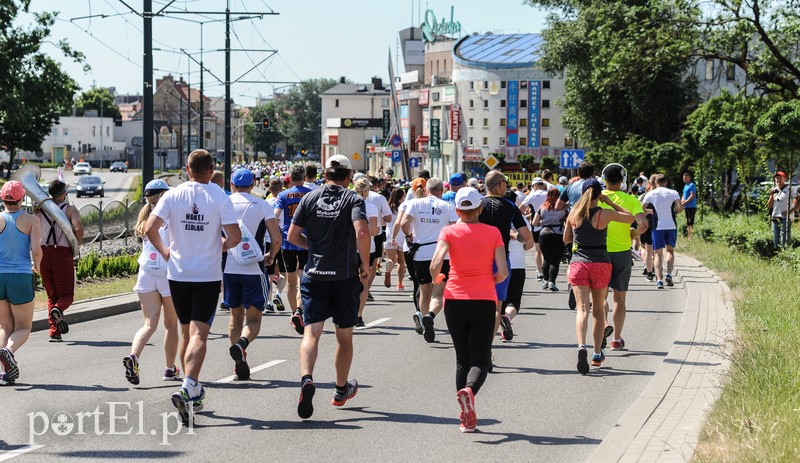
302,107
265,139
525,161
96,98
34,88
778,129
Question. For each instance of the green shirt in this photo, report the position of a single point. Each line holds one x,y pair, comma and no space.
619,234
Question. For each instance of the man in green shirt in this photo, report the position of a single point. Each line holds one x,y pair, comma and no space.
618,243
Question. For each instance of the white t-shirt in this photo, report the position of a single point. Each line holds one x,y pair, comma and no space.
196,213
372,211
516,251
662,199
381,204
430,215
401,237
252,212
311,185
535,199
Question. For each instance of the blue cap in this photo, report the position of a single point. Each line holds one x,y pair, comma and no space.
242,177
155,186
594,185
456,180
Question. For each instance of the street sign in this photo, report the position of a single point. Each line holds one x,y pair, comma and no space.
413,163
491,161
571,159
397,156
395,140
356,157
434,144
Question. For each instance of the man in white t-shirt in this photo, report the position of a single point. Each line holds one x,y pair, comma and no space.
311,177
246,286
532,203
665,235
384,217
423,220
197,214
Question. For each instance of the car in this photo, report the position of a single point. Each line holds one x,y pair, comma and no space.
83,168
89,185
118,166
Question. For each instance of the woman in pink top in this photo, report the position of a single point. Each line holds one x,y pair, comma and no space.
470,305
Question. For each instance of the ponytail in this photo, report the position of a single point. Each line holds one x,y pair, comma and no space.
145,213
580,211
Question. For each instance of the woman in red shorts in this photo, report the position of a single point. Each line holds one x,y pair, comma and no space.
590,268
470,305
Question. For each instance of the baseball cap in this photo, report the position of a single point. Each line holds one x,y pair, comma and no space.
456,180
359,175
242,178
418,182
473,182
781,173
340,161
468,198
563,180
593,184
538,180
12,191
154,187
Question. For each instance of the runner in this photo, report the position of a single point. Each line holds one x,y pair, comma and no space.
273,270
198,213
423,221
20,237
337,239
648,256
152,288
516,260
384,217
470,297
529,206
665,234
551,238
568,198
362,188
590,269
457,182
689,202
245,285
394,253
294,258
417,191
311,177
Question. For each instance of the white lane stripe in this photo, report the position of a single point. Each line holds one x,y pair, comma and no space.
228,379
20,451
371,324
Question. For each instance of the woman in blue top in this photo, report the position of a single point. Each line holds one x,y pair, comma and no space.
20,237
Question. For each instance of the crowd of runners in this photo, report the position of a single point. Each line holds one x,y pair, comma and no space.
321,235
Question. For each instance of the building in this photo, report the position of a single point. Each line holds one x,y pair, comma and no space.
89,138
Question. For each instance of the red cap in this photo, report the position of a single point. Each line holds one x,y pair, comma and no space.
780,173
12,191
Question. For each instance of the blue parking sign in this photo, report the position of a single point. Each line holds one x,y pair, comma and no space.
397,156
413,163
571,159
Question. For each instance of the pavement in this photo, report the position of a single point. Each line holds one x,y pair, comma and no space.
647,403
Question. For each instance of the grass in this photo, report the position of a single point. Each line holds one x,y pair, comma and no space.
92,289
757,416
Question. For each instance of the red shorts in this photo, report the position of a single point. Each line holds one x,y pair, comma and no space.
592,274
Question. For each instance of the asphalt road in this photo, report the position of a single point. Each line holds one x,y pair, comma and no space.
534,407
116,186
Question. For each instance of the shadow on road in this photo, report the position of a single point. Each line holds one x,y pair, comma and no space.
536,440
125,454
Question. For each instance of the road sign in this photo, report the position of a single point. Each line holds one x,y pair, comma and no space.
356,157
571,159
395,140
491,161
413,163
397,156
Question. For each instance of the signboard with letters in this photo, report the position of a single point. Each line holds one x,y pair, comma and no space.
512,124
534,112
361,123
455,122
387,122
434,143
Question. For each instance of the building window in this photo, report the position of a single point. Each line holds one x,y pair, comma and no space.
337,102
470,140
471,104
545,142
485,141
486,104
435,96
523,103
523,84
568,141
108,131
545,103
66,131
503,84
472,85
709,70
545,84
502,141
545,122
730,73
384,102
502,122
523,122
94,130
523,141
502,103
486,122
471,121
485,84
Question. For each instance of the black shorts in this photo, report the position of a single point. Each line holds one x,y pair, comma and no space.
278,261
422,270
647,236
621,267
330,299
690,212
536,236
195,301
378,254
291,260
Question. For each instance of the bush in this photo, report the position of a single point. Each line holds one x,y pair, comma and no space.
94,266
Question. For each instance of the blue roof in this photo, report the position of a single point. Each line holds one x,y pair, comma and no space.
498,51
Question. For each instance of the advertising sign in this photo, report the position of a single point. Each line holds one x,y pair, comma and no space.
387,123
455,122
434,143
512,124
534,112
404,123
424,97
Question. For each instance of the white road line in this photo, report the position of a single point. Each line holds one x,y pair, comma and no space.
20,451
228,379
371,324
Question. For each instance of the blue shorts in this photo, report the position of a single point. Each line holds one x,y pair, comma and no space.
246,290
330,299
663,238
502,287
17,288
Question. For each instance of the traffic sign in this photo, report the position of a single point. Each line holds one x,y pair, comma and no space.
395,140
397,156
356,157
491,161
571,159
413,163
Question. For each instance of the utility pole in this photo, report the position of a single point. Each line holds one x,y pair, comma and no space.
147,84
188,113
227,166
201,132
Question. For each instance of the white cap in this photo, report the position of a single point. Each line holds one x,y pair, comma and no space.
473,182
343,161
538,180
468,198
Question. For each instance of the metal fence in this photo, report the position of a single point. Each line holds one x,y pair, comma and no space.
109,221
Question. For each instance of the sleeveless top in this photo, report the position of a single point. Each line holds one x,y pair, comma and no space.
15,246
52,234
552,220
590,243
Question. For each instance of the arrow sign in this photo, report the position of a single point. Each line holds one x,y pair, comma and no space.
571,159
413,163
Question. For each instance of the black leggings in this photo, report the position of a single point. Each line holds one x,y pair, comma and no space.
471,325
515,287
552,245
413,276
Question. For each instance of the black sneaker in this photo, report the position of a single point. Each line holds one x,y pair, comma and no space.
131,364
370,298
183,403
583,362
269,308
9,364
305,408
644,271
609,330
651,276
508,332
350,391
56,338
668,280
297,321
278,302
239,355
572,301
58,319
427,325
5,380
360,322
224,307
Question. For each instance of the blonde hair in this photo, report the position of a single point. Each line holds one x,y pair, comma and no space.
580,211
145,213
419,192
362,187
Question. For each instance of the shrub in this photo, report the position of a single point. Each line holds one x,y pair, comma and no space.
94,266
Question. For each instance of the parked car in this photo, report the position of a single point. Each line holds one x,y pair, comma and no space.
83,168
118,166
90,185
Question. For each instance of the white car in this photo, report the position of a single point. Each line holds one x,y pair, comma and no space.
83,168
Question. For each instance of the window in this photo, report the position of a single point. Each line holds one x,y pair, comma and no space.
568,141
94,130
486,104
709,70
545,103
108,131
545,84
502,103
384,102
523,103
523,122
523,84
502,122
470,140
486,122
730,73
472,85
545,122
545,142
485,84
523,141
503,84
337,102
502,141
435,96
485,141
471,121
66,131
471,104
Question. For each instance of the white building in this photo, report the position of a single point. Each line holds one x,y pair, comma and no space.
90,138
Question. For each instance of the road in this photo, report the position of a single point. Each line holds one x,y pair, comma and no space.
534,407
116,186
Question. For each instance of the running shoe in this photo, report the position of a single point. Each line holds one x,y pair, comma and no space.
172,374
224,307
360,322
572,301
350,391
508,332
370,298
651,276
239,355
305,408
184,404
644,271
618,344
5,380
608,331
58,319
269,308
583,365
56,338
297,321
553,286
278,302
197,402
598,359
427,324
545,284
378,272
400,287
660,284
539,276
387,280
131,364
418,322
491,365
9,364
668,279
466,399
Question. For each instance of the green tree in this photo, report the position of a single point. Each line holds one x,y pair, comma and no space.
34,88
96,98
265,140
778,129
526,161
302,114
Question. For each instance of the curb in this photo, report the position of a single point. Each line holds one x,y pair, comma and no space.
90,309
664,423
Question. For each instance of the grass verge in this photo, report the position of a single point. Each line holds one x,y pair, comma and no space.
757,416
93,289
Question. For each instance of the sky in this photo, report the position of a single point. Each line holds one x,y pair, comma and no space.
313,38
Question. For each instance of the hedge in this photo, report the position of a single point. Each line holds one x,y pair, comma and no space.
94,266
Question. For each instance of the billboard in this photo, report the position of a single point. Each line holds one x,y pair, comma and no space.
414,53
534,111
512,124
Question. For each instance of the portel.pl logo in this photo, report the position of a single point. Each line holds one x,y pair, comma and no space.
431,27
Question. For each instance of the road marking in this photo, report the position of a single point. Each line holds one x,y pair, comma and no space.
20,451
228,379
371,324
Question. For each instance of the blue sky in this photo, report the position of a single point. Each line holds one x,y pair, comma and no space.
314,38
